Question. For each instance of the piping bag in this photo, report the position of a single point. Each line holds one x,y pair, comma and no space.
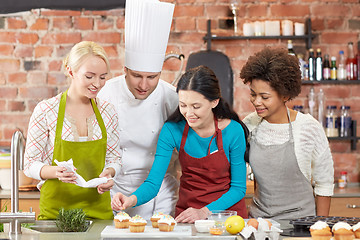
80,181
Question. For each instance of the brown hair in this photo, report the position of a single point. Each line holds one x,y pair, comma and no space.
275,66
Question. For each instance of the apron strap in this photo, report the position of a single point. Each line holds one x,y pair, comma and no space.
99,119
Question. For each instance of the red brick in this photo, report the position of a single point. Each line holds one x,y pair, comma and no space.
335,24
27,38
257,10
185,24
104,23
330,10
16,106
57,79
9,65
103,37
36,78
63,23
6,50
188,10
234,51
55,65
2,79
62,51
181,38
217,11
16,23
167,76
37,92
19,121
116,65
338,37
51,13
82,23
31,104
8,92
43,51
61,38
2,107
40,24
23,51
7,37
120,23
289,10
111,51
17,78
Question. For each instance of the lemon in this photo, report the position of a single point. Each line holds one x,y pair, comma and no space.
234,224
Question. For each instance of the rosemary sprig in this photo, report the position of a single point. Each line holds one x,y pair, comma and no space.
72,220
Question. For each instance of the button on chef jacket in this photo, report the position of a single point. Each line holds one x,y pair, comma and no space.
140,122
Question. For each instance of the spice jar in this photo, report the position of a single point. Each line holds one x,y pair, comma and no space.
343,179
331,122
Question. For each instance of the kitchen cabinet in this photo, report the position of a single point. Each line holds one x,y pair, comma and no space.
345,207
24,205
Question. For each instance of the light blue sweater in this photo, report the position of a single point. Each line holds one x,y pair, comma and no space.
196,146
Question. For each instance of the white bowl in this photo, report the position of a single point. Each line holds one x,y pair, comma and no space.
203,226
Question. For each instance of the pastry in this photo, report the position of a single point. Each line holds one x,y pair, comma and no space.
154,219
121,220
137,224
356,230
166,223
320,231
342,231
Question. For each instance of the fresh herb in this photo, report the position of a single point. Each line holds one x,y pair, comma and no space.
72,220
3,209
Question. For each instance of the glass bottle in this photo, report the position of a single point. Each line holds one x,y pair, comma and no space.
290,48
311,65
333,69
341,71
312,102
318,66
321,101
298,108
351,63
331,122
326,67
302,64
345,122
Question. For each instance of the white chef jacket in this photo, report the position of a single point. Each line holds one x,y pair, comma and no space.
140,122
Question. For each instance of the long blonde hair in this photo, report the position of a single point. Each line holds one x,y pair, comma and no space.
80,51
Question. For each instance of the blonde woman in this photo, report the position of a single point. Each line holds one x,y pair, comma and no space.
75,125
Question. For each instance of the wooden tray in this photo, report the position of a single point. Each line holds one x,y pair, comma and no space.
28,188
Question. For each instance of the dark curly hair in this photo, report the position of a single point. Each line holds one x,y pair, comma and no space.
275,66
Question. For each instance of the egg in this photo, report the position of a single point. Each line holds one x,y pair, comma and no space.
253,222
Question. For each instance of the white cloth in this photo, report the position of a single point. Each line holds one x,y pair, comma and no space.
311,147
80,181
147,28
140,122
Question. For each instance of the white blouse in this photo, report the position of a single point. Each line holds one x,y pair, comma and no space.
311,147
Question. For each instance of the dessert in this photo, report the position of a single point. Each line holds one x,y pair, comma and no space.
154,219
166,223
342,231
356,230
137,224
320,231
121,220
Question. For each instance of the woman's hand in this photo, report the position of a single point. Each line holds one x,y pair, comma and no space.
192,214
63,175
121,202
108,185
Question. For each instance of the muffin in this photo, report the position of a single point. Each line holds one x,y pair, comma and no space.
342,231
137,224
121,220
356,230
154,219
166,223
320,231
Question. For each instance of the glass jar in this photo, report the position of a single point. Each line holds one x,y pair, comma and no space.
345,122
331,122
343,179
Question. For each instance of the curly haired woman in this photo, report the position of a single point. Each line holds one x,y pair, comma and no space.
289,152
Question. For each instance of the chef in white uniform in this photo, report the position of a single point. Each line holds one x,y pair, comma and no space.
143,102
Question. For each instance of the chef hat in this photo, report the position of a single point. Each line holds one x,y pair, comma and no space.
147,28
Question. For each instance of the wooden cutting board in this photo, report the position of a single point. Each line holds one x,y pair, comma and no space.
150,232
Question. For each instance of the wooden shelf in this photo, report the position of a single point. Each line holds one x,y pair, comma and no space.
353,139
336,82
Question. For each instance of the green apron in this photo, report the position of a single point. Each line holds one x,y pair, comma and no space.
89,160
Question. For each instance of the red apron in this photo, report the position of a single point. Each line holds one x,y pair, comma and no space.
205,179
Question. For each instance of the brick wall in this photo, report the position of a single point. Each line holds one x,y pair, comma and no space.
33,44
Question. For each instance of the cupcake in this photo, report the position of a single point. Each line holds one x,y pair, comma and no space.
166,223
320,231
356,230
342,231
121,220
154,219
137,224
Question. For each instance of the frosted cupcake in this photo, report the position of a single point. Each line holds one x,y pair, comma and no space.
155,218
356,230
137,224
320,231
342,231
166,223
121,220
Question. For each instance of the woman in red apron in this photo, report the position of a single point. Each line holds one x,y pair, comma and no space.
75,125
211,143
